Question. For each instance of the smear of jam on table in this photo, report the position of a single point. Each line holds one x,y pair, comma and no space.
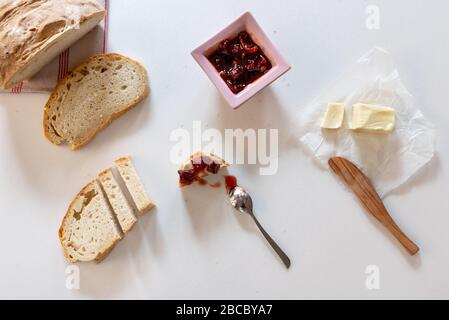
240,61
201,167
231,183
216,185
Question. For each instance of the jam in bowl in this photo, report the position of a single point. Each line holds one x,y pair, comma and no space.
239,61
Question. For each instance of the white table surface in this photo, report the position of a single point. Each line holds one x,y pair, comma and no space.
193,245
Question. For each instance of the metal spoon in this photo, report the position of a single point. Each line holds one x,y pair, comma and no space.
242,202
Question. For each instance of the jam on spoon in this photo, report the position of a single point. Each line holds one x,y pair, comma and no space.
231,183
240,61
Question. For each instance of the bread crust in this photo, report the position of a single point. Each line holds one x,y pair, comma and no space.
61,232
104,174
123,160
198,154
102,255
150,205
54,137
24,54
70,209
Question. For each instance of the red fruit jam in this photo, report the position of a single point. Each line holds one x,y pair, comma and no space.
240,61
231,182
201,167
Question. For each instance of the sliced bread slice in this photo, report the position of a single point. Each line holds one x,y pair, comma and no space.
199,165
134,185
92,96
118,201
89,231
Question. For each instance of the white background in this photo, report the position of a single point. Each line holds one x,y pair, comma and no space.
194,245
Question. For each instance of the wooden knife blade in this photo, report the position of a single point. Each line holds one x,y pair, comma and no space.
364,190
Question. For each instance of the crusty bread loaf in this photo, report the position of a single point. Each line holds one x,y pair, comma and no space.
92,96
134,185
89,230
34,32
118,201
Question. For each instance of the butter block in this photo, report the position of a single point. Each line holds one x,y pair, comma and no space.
367,117
333,118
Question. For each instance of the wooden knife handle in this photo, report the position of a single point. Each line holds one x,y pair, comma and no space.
364,190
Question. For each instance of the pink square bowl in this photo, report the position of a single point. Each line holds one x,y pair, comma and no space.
248,23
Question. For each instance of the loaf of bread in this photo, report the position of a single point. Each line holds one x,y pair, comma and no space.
34,32
92,96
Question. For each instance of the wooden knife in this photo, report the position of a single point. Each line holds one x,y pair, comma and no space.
364,190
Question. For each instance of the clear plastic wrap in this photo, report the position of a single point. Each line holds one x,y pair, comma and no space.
389,160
